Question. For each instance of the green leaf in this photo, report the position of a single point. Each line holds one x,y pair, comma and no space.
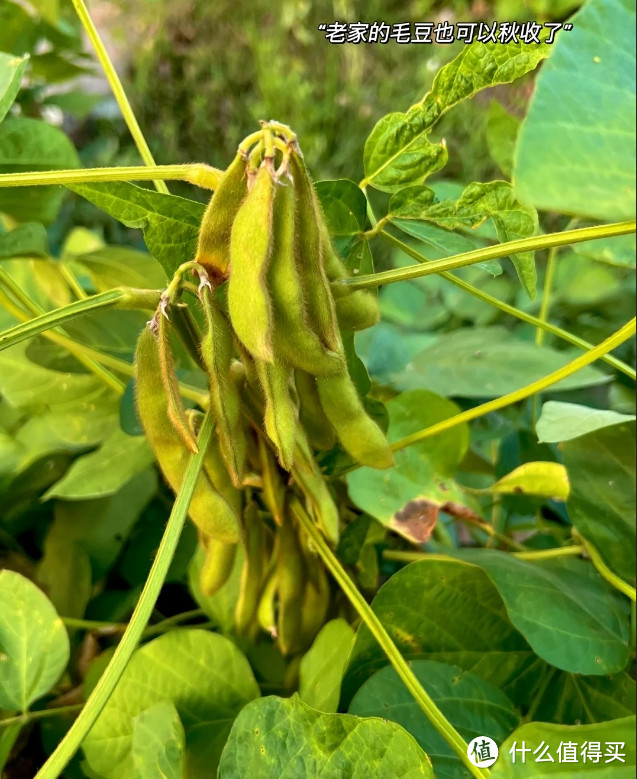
27,239
34,646
206,678
219,607
397,152
65,574
572,699
576,148
321,668
546,479
601,469
502,130
571,617
447,611
485,362
28,145
618,250
114,266
105,471
278,738
170,224
563,421
158,743
535,734
472,706
345,209
408,497
496,201
11,71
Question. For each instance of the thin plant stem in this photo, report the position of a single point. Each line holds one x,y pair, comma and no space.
30,716
199,174
139,619
118,89
377,629
534,555
549,273
612,342
534,243
606,573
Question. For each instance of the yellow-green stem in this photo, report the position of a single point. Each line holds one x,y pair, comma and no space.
531,555
377,629
605,572
621,335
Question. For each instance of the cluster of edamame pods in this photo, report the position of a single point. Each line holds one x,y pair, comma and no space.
279,387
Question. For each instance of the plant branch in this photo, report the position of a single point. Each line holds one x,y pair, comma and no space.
621,335
534,243
534,555
199,174
139,620
377,629
605,572
30,716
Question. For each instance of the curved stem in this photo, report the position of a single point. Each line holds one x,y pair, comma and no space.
533,555
143,610
606,573
621,335
30,716
121,297
535,243
118,89
377,629
199,174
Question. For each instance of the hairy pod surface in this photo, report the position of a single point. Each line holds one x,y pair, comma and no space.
316,601
319,429
358,433
309,258
294,339
281,412
213,247
209,510
217,352
176,411
312,484
250,251
273,487
254,570
217,565
291,585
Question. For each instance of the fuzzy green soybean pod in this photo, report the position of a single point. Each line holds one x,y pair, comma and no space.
319,429
291,581
217,565
358,433
316,601
309,258
217,353
209,510
213,247
281,413
254,570
293,336
250,250
307,474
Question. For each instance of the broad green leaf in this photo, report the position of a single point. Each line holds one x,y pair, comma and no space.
278,738
496,201
26,239
571,617
345,209
573,699
576,147
219,607
450,612
34,645
502,130
472,706
11,71
487,362
321,669
397,152
105,471
28,145
618,250
113,266
546,479
537,735
601,469
206,678
408,497
564,421
170,224
65,575
101,526
442,243
158,743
